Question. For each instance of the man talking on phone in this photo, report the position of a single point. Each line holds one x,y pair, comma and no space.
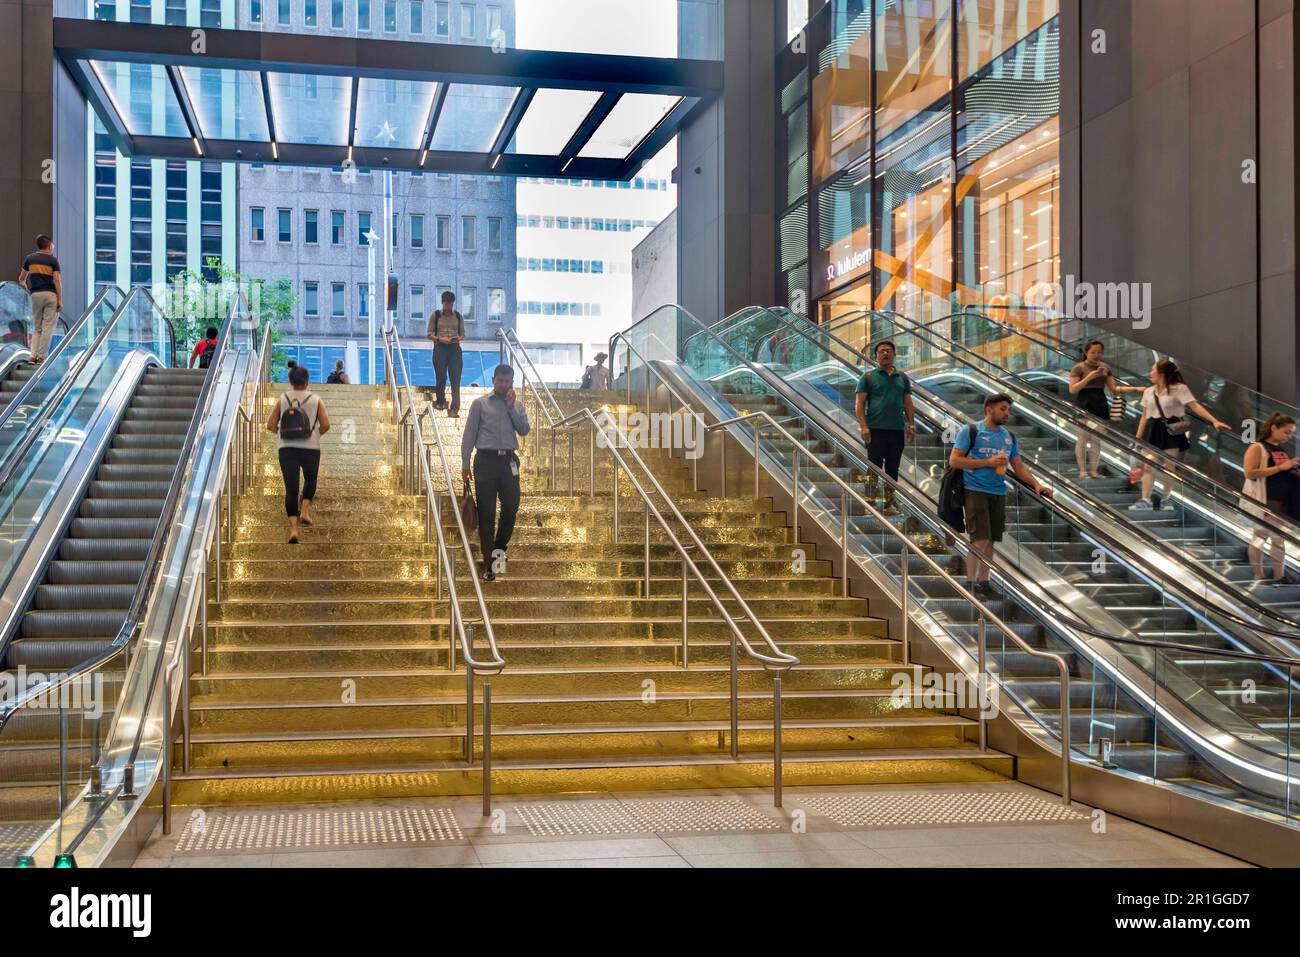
492,431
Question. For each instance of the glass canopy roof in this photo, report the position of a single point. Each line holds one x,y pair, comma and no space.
341,101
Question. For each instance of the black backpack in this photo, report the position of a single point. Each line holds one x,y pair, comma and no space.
335,378
952,492
205,357
293,421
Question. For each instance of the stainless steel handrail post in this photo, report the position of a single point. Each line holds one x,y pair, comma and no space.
686,654
591,463
902,603
734,688
794,495
776,739
646,593
979,685
166,757
844,545
469,715
187,665
487,746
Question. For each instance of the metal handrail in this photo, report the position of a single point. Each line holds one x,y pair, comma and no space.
1159,458
775,663
65,386
495,665
153,556
1086,422
21,396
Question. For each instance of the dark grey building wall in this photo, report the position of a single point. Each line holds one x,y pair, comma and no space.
1154,134
42,138
726,163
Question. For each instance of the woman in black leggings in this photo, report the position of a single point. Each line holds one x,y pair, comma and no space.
299,453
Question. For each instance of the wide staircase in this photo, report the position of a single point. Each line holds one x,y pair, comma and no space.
328,668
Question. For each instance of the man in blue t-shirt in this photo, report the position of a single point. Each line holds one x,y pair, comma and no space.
986,460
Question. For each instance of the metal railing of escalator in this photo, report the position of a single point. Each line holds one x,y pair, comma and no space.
601,422
1234,515
1184,471
1149,647
120,744
415,458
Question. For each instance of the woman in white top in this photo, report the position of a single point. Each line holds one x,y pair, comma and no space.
299,453
1166,403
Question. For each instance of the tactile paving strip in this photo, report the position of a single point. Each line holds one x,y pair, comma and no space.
642,817
221,831
893,809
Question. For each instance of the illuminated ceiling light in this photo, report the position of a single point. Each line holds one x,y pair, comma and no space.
424,155
197,148
275,150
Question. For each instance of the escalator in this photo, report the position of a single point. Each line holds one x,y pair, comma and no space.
80,605
1202,524
1138,696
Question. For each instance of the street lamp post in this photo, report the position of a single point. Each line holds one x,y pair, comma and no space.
371,238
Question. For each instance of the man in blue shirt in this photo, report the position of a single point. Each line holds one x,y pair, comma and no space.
986,460
886,418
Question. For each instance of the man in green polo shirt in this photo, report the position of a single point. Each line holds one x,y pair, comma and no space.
885,415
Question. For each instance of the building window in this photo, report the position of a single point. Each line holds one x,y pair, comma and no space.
311,300
467,302
175,219
336,14
441,18
395,243
363,227
363,292
417,16
257,224
444,232
255,11
309,12
390,16
494,234
496,305
417,303
284,225
467,229
494,23
336,227
417,232
310,227
282,12
363,14
466,21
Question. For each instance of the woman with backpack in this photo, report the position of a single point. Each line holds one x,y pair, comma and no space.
338,376
300,419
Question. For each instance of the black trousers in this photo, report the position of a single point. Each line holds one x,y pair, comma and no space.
448,362
493,481
291,462
885,450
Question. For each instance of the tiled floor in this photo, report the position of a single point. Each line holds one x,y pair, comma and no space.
999,825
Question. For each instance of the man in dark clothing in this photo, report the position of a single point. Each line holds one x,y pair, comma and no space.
40,274
496,420
886,418
447,330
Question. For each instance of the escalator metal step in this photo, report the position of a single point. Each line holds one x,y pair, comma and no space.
121,508
63,572
78,597
113,527
102,623
103,549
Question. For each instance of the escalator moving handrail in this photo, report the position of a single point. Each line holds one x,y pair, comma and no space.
21,396
65,386
153,556
1063,615
1083,495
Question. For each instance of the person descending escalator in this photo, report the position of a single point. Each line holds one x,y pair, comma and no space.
986,451
886,418
1273,480
1089,381
1166,425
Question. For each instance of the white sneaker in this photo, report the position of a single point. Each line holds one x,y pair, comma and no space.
1141,505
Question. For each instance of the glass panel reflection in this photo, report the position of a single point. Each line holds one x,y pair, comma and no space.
229,103
551,120
143,98
472,116
393,113
310,108
628,124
